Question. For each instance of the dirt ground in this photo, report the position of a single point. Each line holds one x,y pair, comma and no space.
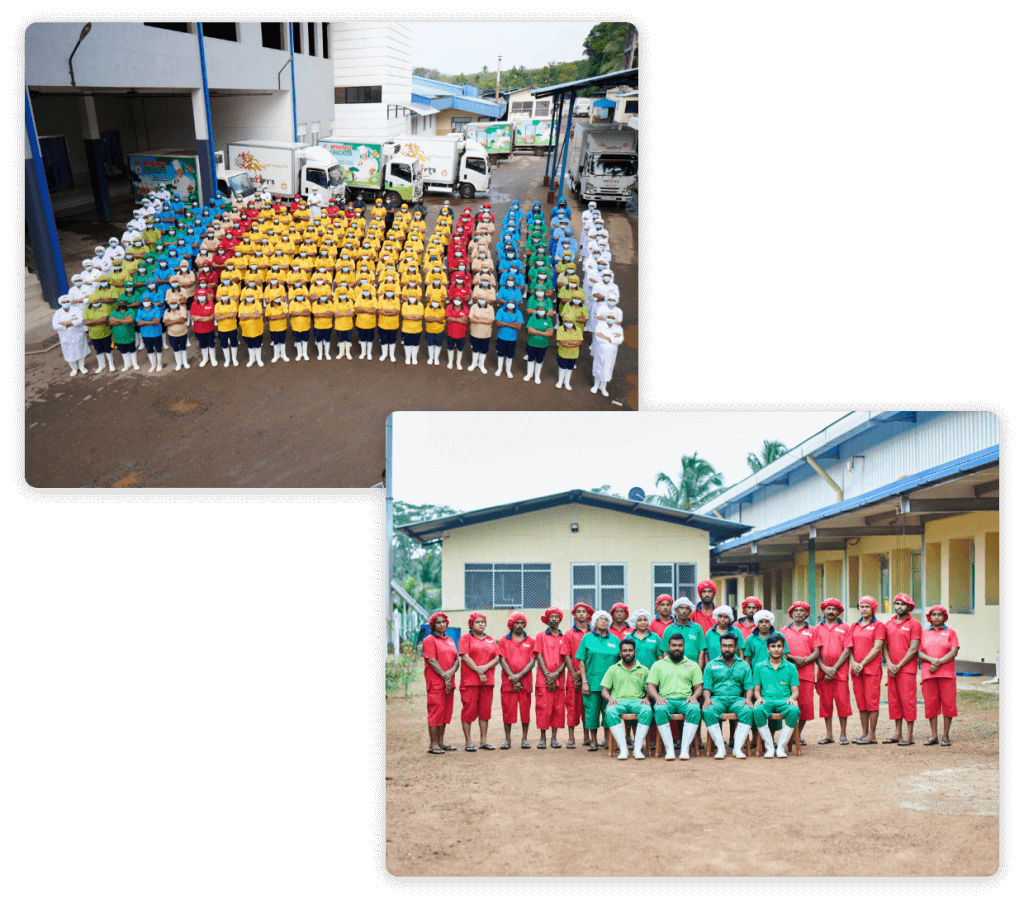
841,811
295,424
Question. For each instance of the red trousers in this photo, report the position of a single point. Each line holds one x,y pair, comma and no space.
939,693
903,694
439,705
867,691
835,691
513,703
476,702
550,706
573,704
805,700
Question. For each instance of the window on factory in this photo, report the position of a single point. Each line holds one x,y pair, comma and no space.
171,26
300,130
542,108
631,106
223,31
326,37
366,94
311,35
523,106
314,132
507,586
458,122
273,35
296,37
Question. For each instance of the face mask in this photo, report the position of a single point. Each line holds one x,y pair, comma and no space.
66,305
146,303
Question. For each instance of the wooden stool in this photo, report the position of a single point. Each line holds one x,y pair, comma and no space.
731,717
613,747
659,747
759,749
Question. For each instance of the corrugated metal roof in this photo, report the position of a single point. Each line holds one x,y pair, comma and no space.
595,81
420,109
469,105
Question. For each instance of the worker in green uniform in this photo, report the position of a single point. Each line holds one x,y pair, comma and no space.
675,684
755,648
597,652
624,689
723,625
776,688
646,640
728,688
692,633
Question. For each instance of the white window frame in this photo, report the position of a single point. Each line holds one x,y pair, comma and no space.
678,588
599,588
314,132
506,566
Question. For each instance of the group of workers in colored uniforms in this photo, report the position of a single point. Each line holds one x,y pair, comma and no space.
273,267
609,664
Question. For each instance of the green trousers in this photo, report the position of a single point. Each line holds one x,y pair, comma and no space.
721,705
674,706
593,706
639,708
791,714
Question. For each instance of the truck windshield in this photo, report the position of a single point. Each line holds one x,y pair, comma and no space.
334,174
477,164
242,185
401,171
609,165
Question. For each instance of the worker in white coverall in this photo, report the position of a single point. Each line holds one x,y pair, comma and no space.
70,326
607,338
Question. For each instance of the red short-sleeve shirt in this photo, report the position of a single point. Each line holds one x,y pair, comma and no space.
619,632
549,646
481,650
832,642
745,630
571,641
456,330
899,637
706,622
864,637
801,643
659,627
202,309
938,643
443,650
518,656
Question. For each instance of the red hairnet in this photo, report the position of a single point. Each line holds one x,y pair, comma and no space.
514,617
590,609
707,584
832,601
751,599
799,604
664,596
942,609
902,597
620,606
554,610
871,601
473,616
430,621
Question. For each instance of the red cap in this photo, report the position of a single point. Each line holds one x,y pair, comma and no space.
871,601
799,604
831,601
707,584
942,609
902,597
554,610
620,606
473,616
590,610
514,617
751,599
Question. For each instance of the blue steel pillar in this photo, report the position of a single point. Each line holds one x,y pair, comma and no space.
204,130
94,157
565,148
295,115
556,108
811,574
42,229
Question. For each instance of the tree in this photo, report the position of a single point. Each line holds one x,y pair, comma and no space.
697,483
604,47
417,568
484,70
606,490
772,450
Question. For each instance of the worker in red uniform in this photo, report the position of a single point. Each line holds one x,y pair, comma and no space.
574,679
619,613
939,646
440,663
902,640
517,660
834,641
705,614
866,667
550,683
800,637
747,625
663,609
479,655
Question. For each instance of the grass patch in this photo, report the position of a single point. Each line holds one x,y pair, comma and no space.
977,700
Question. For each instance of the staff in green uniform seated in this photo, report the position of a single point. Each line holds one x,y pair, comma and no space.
776,687
675,684
728,688
624,688
597,652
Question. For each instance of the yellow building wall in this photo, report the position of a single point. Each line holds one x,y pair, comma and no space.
444,120
543,537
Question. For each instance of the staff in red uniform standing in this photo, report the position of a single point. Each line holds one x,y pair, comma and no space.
866,667
479,655
747,625
834,641
705,614
902,640
800,637
939,646
619,613
573,686
516,651
663,608
547,648
441,661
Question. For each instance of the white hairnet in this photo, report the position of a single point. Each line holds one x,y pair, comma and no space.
764,613
597,615
631,621
723,610
683,601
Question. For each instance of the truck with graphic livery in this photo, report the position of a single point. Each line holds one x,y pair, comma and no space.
533,134
498,138
449,162
602,161
375,169
287,168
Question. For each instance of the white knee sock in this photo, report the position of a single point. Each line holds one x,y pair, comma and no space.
666,738
619,733
638,741
689,730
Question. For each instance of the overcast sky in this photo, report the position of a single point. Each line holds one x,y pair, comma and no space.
465,47
471,460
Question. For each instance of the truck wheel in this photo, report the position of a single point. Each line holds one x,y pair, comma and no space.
466,190
394,197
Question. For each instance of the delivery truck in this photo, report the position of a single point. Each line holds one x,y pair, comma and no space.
374,170
151,170
449,162
533,135
582,106
498,138
287,168
602,161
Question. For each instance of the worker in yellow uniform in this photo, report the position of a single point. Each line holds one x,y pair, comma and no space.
412,326
274,289
250,314
366,319
300,314
344,309
435,323
225,315
277,324
323,319
389,309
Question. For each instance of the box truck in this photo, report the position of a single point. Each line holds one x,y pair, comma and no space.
150,170
602,161
533,134
375,169
287,167
582,106
498,138
449,162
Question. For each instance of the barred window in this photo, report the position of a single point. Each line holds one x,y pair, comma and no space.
598,584
508,585
676,579
365,94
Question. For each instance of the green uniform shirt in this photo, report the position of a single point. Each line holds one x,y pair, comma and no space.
776,684
675,679
539,323
722,680
646,648
102,330
123,333
597,654
693,634
756,650
626,684
714,646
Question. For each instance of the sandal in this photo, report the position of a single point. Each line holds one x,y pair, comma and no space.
844,741
826,741
592,747
487,747
555,744
450,747
892,741
865,741
525,745
570,745
541,745
905,743
505,745
931,742
945,742
435,750
470,749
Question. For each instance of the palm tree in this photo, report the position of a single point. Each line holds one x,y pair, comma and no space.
772,450
698,482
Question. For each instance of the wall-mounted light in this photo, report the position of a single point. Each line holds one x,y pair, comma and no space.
574,527
85,30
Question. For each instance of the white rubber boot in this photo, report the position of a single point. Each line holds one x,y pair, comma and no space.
408,353
74,368
126,361
101,363
737,745
483,369
227,355
784,735
205,357
458,359
177,359
769,744
561,378
284,351
184,358
252,357
341,349
135,360
383,352
415,354
152,361
536,373
259,356
305,351
234,356
451,357
476,357
508,367
666,739
319,350
604,388
715,733
391,351
362,349
501,364
529,370
597,383
619,733
348,351
689,730
81,365
277,352
638,741
159,360
568,378
139,344
327,349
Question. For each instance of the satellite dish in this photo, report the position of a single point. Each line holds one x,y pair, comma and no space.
637,495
